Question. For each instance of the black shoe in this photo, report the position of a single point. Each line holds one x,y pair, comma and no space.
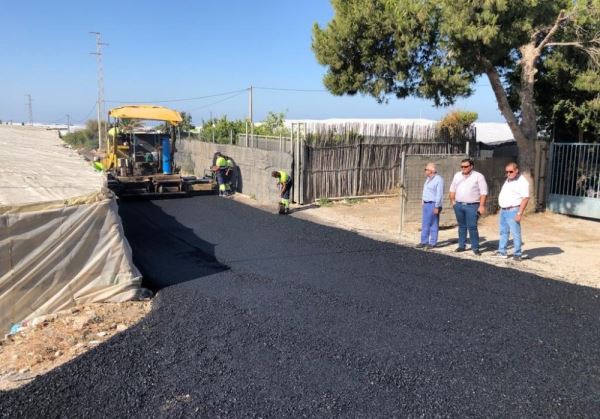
430,246
421,245
460,249
476,252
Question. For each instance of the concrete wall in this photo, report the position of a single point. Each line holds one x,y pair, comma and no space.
254,166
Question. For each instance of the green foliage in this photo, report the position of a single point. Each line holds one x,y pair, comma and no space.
324,202
221,129
568,97
436,49
86,138
186,123
456,123
273,125
129,125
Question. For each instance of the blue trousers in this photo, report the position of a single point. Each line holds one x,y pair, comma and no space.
509,225
466,216
430,224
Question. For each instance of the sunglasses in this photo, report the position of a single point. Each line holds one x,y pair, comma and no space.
465,167
509,171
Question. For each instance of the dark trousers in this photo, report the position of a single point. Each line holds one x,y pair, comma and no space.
221,179
466,216
288,186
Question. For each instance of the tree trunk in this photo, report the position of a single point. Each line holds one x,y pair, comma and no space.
529,56
525,133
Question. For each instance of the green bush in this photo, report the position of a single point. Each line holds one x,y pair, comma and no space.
324,202
86,138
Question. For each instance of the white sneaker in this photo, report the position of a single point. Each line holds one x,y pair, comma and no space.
499,255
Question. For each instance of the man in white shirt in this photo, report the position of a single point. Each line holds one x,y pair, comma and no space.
513,199
468,193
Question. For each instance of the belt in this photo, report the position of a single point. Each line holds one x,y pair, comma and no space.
428,202
509,208
468,203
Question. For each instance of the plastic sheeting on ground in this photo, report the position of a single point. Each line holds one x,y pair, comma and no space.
61,239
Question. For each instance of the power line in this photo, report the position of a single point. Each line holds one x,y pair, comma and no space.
178,100
87,116
292,90
219,101
56,120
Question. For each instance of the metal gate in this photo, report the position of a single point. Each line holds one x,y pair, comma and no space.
574,179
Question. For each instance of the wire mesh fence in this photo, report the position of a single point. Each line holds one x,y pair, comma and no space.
447,166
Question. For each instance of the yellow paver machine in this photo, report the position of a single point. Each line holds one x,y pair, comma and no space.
139,159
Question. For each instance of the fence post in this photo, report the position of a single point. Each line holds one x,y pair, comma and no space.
541,155
550,170
358,170
402,192
231,136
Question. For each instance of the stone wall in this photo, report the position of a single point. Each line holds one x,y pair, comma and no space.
254,166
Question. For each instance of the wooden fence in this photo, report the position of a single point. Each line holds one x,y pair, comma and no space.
335,163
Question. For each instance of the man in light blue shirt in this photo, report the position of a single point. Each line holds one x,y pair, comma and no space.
433,195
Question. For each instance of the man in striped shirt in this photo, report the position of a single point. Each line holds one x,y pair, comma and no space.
468,193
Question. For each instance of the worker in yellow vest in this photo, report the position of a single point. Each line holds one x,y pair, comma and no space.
220,168
284,184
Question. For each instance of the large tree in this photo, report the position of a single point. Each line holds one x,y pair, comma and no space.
436,49
567,96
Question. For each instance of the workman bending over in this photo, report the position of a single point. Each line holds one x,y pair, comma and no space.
220,168
284,183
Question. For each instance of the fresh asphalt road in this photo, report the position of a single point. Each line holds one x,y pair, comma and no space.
260,315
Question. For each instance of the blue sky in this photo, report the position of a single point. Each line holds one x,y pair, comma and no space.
162,50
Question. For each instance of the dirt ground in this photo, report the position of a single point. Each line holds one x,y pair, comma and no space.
558,247
50,341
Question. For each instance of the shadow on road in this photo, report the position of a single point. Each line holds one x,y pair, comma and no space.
167,253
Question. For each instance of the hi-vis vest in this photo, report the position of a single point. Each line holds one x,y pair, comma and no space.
283,177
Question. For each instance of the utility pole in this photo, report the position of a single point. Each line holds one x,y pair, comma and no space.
250,115
68,123
98,54
30,109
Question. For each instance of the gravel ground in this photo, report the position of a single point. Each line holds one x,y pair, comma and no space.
271,316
